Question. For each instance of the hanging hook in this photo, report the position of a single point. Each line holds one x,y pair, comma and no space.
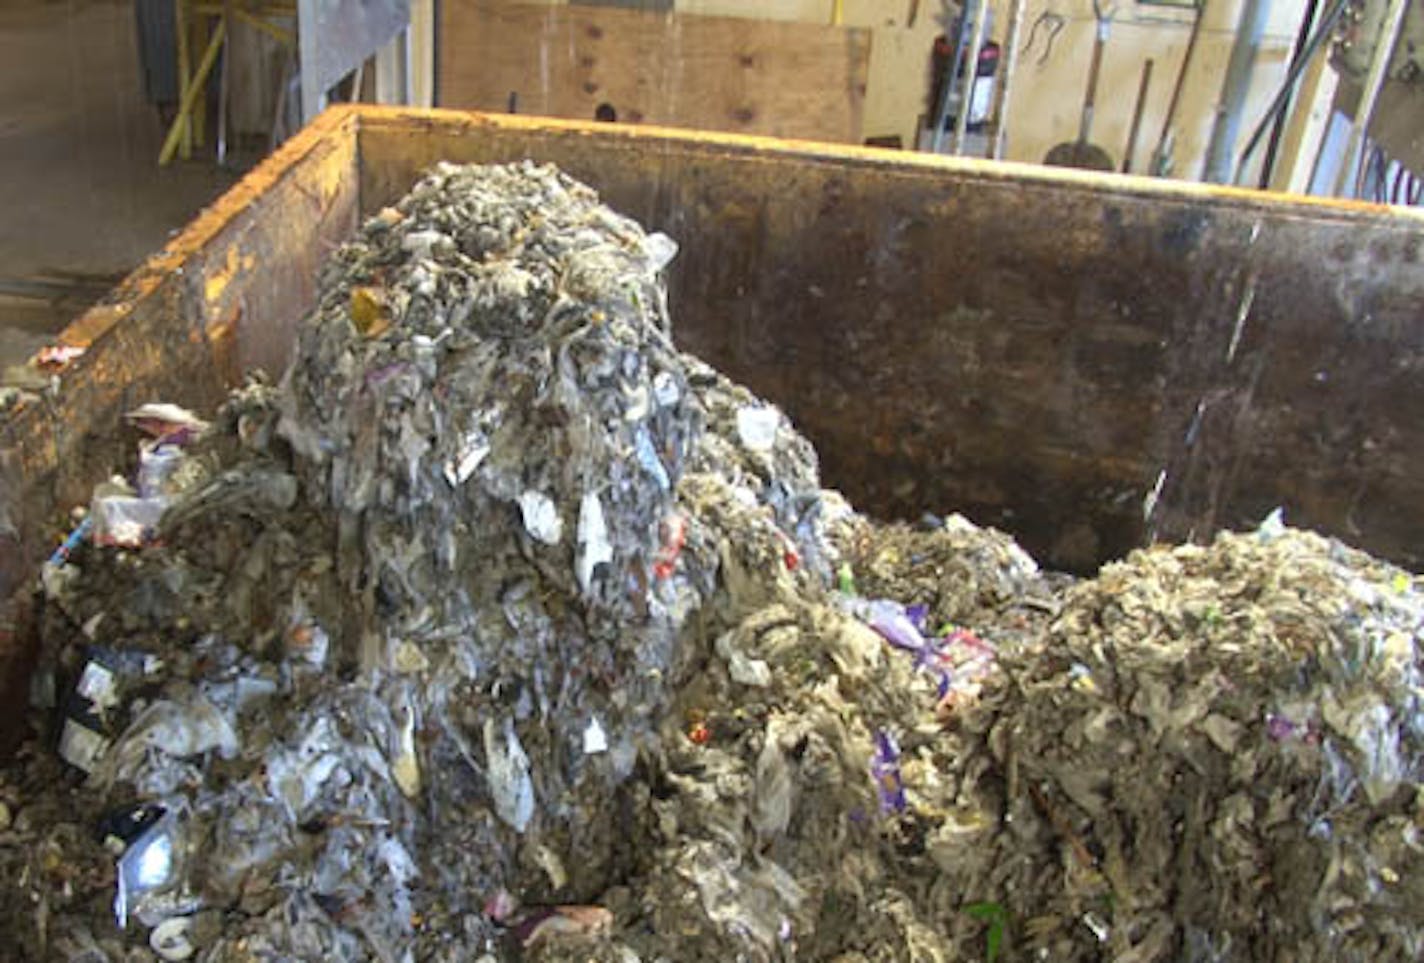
1053,25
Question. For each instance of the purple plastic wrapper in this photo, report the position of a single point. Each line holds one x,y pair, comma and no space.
918,615
892,621
885,770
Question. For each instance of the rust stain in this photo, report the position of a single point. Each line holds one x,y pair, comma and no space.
217,282
334,125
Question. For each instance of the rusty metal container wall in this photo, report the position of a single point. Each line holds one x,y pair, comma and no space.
1048,351
227,290
1036,348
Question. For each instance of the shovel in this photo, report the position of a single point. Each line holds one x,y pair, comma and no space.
1080,153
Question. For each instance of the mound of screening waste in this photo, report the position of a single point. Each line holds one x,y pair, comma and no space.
1213,754
500,629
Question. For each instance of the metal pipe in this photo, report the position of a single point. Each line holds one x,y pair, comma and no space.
1234,89
224,85
951,71
1365,111
1325,28
1132,131
1011,61
971,77
1278,126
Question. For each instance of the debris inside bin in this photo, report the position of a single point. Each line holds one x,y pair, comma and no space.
501,629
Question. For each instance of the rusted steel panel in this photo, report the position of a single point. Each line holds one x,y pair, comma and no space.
223,296
1034,347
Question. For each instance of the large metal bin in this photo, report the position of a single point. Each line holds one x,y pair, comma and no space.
1087,361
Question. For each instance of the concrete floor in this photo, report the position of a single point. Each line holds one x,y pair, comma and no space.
80,188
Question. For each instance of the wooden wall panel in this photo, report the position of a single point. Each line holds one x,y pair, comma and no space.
716,73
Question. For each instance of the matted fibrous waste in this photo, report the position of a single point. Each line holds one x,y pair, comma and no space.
500,629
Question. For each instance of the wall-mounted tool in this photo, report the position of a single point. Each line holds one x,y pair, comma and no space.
1081,153
1132,132
1052,25
1162,163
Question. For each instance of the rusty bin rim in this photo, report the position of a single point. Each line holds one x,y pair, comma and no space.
348,119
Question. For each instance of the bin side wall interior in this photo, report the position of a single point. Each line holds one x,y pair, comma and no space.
1035,351
225,295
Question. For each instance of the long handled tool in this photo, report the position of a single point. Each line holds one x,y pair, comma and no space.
1081,153
1006,87
1161,164
1132,131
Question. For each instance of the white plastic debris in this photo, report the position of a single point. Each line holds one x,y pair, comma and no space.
306,641
541,517
1273,526
160,418
743,669
125,520
81,746
158,463
594,548
421,243
405,766
408,659
397,860
647,456
637,408
510,784
660,249
296,776
756,426
665,389
147,865
472,453
97,684
752,672
150,751
595,740
171,939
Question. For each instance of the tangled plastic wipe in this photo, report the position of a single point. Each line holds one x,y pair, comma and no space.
500,629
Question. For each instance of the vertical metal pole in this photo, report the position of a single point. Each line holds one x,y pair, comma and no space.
1132,131
1011,61
956,58
225,81
1222,145
313,96
185,69
1365,110
971,77
1299,61
407,94
1161,163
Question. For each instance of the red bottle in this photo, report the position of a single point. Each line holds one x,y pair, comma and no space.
981,99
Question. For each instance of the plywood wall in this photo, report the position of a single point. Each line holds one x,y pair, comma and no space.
787,79
1048,95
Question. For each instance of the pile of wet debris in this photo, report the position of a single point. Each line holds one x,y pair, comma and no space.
501,629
